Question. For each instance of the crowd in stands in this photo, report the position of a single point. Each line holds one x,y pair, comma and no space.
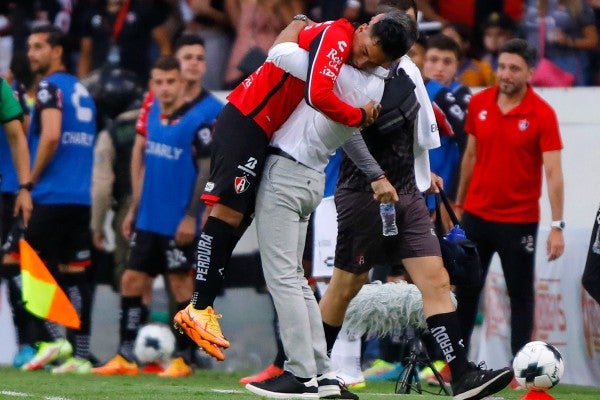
238,33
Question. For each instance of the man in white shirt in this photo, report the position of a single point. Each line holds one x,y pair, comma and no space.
291,188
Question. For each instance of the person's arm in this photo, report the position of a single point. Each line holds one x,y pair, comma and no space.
84,62
11,114
429,12
555,245
466,172
327,53
51,120
161,37
103,177
137,178
356,149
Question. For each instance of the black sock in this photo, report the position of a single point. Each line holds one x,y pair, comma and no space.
77,288
11,273
446,333
129,324
214,248
331,334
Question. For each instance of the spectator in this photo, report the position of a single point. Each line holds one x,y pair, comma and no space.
471,71
570,34
501,206
497,30
120,32
61,136
259,24
469,12
213,21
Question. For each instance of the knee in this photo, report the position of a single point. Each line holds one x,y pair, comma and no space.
132,283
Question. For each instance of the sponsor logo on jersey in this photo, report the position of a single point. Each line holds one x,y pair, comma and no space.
163,150
209,187
78,138
483,115
241,184
43,96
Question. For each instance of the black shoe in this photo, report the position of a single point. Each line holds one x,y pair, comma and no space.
477,383
329,386
344,392
285,386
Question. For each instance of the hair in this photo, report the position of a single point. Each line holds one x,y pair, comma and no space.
402,5
55,37
166,63
187,39
443,42
396,32
521,48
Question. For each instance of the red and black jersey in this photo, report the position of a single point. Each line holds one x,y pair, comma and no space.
270,95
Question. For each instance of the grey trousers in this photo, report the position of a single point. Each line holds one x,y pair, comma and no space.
289,192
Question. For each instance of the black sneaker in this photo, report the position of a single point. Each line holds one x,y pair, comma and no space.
329,386
477,382
285,386
344,392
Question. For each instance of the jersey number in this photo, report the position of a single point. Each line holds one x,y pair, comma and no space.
84,114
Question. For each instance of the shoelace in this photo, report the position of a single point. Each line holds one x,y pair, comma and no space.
212,321
341,382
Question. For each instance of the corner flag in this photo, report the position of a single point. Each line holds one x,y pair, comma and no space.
41,294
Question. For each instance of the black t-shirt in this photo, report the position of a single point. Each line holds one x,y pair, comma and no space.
134,38
393,150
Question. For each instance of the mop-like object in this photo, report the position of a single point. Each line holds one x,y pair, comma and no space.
380,309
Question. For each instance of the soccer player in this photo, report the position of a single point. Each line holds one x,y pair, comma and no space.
291,189
61,138
177,132
258,107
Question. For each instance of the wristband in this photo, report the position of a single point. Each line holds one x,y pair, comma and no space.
27,186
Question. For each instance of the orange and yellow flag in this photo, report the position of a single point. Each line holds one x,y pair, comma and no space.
41,294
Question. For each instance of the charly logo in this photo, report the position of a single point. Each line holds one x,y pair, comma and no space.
241,184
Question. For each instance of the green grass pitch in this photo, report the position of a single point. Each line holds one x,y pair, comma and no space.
204,385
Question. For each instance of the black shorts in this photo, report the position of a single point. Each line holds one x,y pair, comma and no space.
60,233
360,243
156,254
8,206
237,161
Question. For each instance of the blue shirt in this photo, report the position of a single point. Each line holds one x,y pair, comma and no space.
67,177
170,171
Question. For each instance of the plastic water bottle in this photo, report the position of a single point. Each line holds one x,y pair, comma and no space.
456,233
388,219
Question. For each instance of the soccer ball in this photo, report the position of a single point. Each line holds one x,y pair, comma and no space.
154,344
538,366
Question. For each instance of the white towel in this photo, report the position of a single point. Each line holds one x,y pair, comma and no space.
427,135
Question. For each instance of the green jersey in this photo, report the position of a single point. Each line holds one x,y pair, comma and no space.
10,108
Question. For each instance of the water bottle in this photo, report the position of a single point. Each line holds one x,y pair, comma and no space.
388,219
455,234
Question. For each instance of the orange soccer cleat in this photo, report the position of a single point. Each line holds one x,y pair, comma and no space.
117,365
270,372
178,368
202,326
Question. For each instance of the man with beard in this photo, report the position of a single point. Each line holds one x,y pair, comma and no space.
513,132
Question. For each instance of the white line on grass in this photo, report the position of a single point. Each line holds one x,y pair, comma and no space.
228,391
21,394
